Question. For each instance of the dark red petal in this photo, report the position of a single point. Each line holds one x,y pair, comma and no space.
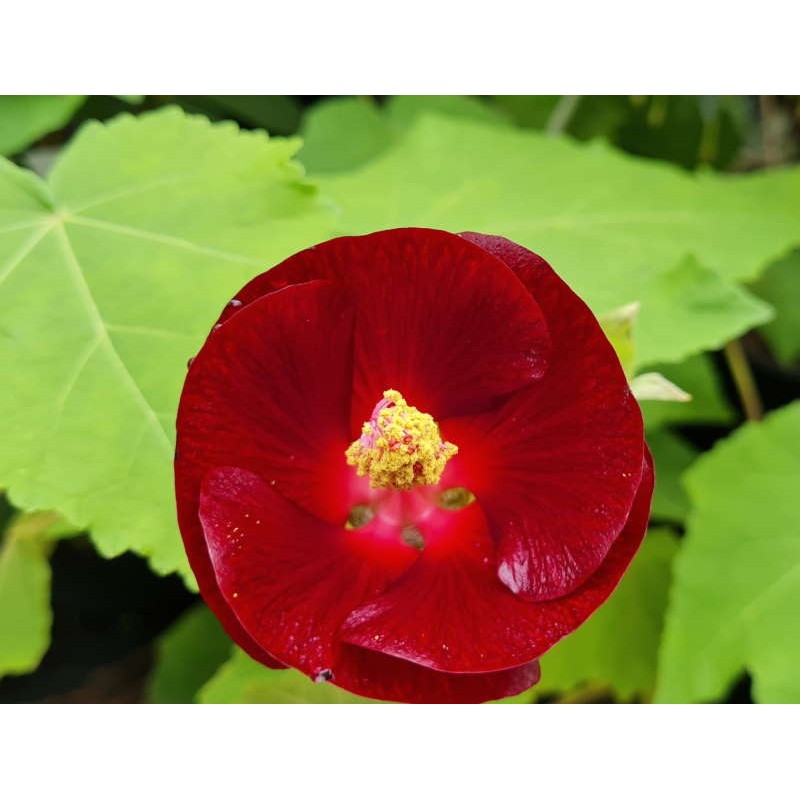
290,578
438,318
557,467
382,677
269,391
449,611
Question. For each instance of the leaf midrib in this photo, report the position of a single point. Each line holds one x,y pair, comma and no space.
56,224
102,335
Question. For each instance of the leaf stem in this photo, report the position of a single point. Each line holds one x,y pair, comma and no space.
770,148
743,380
562,114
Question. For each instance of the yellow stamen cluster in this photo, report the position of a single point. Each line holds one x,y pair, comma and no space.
400,447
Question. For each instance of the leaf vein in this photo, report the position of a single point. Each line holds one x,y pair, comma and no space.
129,191
21,254
162,238
102,332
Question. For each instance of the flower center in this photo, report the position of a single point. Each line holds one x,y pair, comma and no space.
400,446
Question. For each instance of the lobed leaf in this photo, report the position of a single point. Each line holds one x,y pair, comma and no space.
733,605
111,273
688,309
612,225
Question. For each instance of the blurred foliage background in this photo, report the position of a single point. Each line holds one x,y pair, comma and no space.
125,223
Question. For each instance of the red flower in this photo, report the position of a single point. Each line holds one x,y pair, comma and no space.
409,463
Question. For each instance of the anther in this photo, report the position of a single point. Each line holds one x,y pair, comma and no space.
400,447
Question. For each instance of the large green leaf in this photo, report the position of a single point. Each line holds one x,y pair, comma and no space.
735,599
780,286
111,275
611,224
188,654
688,309
681,312
26,118
25,615
242,680
618,646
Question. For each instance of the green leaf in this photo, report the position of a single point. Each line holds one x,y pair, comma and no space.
242,680
780,287
681,312
62,529
343,133
734,602
26,118
404,109
609,223
188,654
617,647
346,132
688,309
25,615
672,456
112,273
708,405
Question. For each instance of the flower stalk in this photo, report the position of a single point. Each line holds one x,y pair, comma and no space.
743,380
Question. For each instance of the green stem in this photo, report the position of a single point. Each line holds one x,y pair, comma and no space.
770,149
743,379
562,114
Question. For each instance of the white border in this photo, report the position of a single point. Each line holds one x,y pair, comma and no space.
418,46
402,752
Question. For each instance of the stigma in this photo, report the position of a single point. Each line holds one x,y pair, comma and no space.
400,447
